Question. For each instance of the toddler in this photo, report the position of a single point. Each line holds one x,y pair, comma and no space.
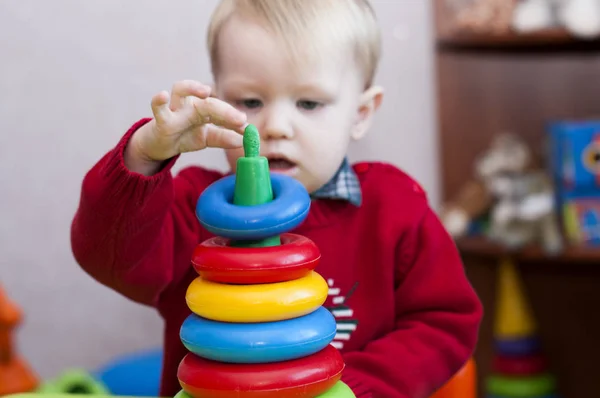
302,71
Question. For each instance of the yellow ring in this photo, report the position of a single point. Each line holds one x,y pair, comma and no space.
256,303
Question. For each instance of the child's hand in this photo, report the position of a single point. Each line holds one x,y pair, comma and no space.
190,120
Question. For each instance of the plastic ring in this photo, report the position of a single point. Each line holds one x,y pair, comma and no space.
257,303
258,342
527,365
303,377
543,396
339,390
217,213
521,387
513,347
216,261
182,394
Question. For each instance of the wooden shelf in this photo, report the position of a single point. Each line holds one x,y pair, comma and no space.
551,39
480,246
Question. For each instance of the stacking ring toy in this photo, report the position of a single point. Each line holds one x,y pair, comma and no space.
520,346
526,365
215,260
257,303
521,387
303,377
258,342
217,213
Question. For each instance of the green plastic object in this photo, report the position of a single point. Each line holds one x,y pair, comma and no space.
339,390
253,182
521,387
73,382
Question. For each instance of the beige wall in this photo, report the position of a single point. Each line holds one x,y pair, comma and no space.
74,75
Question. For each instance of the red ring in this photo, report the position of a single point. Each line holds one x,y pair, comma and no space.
524,366
216,261
308,376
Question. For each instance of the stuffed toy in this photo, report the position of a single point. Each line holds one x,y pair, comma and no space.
581,18
517,198
482,16
534,15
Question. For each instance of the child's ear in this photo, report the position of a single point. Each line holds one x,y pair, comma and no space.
369,103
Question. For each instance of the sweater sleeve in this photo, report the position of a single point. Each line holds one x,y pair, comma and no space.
437,321
123,231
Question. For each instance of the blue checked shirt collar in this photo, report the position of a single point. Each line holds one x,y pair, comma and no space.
343,186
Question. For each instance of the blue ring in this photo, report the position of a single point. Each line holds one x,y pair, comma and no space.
258,342
512,347
217,213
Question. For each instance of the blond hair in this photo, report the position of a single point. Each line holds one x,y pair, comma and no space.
309,23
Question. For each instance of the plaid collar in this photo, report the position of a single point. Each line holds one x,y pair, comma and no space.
343,186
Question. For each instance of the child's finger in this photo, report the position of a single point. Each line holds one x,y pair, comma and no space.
186,88
160,107
219,137
217,112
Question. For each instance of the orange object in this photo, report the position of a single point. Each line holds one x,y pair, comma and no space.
462,385
15,374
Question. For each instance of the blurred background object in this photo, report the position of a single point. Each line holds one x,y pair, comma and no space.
579,18
535,75
16,376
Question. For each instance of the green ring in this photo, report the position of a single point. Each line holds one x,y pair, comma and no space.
339,390
74,381
182,394
521,387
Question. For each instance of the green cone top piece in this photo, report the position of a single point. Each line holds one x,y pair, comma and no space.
253,181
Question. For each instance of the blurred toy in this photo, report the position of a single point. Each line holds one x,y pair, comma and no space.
462,385
519,368
575,167
15,375
581,218
135,374
73,382
482,16
472,201
533,15
580,17
518,198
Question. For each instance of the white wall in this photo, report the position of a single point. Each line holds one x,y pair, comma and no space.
73,76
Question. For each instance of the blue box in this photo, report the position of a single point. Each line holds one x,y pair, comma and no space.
575,155
581,220
574,163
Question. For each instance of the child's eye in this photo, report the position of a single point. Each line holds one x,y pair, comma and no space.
250,103
308,105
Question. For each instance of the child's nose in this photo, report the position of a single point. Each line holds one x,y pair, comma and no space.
277,125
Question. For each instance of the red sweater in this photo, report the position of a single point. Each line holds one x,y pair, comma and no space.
407,316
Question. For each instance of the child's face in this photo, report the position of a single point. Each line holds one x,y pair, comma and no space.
306,115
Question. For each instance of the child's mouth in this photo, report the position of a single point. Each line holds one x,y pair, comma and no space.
280,164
